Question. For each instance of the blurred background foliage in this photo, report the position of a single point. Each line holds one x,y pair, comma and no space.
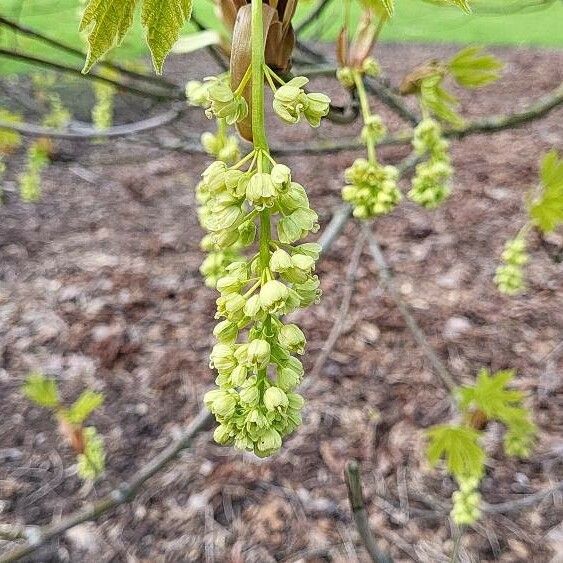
529,22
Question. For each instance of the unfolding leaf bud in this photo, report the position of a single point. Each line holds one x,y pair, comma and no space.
371,67
345,76
292,338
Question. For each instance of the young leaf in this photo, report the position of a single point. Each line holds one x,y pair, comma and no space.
490,395
471,68
41,390
84,406
163,20
382,8
547,210
438,100
91,463
465,458
108,22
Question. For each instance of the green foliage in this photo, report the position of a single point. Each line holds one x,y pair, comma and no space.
9,140
471,68
382,8
547,209
91,463
163,20
438,101
465,458
41,390
84,406
509,276
109,20
491,396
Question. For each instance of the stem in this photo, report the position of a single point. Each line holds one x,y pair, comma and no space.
257,62
366,113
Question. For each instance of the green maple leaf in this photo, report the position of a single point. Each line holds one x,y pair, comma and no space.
459,446
490,395
547,209
109,20
84,406
41,390
163,20
439,101
472,68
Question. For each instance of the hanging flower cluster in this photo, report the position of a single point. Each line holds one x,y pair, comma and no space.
466,503
430,183
372,188
256,404
509,276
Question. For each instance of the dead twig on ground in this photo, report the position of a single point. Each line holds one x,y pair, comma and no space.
356,499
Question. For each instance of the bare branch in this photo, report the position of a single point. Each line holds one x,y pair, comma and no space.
356,499
387,281
19,28
313,16
46,63
338,325
91,133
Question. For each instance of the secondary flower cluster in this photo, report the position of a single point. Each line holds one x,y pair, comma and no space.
372,188
291,102
430,184
255,355
509,276
466,503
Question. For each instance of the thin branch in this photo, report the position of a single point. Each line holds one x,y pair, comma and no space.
387,281
519,503
356,499
19,28
88,133
123,494
338,325
313,16
43,62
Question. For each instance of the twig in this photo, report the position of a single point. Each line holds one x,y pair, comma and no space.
338,325
313,15
387,281
19,28
519,503
457,544
43,62
356,499
88,133
334,228
39,536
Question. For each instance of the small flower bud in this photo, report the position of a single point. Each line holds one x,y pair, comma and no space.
273,295
222,358
252,307
226,332
292,339
247,233
238,376
261,190
222,435
280,261
270,441
281,177
225,104
317,107
258,353
197,93
371,67
345,76
274,398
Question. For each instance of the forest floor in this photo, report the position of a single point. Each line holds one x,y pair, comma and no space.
99,287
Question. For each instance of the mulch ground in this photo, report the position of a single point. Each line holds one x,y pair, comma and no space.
99,287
